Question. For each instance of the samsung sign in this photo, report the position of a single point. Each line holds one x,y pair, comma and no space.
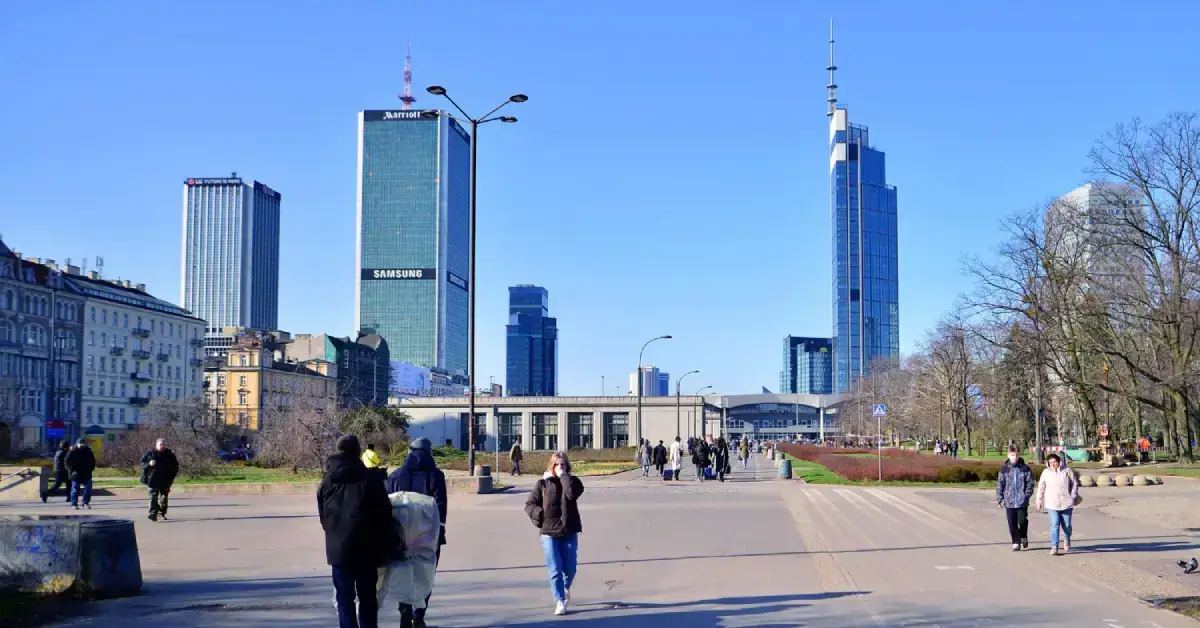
456,280
408,114
399,273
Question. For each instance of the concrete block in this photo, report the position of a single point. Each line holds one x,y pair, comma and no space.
469,485
1154,479
90,555
1104,480
1087,480
1123,480
24,483
1141,480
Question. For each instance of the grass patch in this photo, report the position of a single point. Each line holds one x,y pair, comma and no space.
1187,472
1188,606
231,475
584,469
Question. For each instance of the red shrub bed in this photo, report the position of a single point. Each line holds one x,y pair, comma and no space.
899,465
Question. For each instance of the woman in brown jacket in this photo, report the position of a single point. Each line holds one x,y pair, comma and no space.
554,509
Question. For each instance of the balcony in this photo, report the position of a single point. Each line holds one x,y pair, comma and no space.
139,354
140,332
197,342
163,357
196,362
117,351
138,377
139,401
10,344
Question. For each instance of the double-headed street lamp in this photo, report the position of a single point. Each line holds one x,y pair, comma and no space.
700,413
639,383
438,90
677,385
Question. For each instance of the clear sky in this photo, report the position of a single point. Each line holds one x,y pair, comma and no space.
669,174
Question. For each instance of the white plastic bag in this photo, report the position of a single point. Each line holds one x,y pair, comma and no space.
410,581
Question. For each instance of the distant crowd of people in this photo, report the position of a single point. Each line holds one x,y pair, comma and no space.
942,447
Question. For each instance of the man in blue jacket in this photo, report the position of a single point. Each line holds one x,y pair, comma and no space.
1014,487
419,474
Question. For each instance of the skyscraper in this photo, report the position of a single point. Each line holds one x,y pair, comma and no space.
412,229
230,274
807,366
866,316
532,343
655,383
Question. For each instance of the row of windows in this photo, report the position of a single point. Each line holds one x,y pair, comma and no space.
137,390
545,430
121,319
35,305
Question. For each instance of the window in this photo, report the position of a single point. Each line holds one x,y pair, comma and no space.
91,362
616,429
111,414
35,335
242,380
545,431
104,316
93,314
579,430
509,427
122,415
31,401
241,397
87,413
221,380
91,338
480,430
171,329
103,363
9,302
176,393
158,391
89,388
125,321
103,339
160,327
6,331
122,390
112,389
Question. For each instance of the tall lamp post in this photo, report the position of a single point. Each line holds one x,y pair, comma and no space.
700,414
677,385
639,382
438,90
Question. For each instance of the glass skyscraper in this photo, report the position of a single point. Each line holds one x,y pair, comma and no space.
807,366
230,262
866,315
532,343
412,236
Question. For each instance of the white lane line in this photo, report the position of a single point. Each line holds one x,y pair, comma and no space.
950,567
840,521
858,500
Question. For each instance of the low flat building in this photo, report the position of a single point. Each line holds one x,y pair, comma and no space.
550,423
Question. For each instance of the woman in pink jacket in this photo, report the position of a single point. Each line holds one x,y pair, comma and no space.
1058,494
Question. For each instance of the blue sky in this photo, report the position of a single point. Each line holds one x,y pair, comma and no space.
669,174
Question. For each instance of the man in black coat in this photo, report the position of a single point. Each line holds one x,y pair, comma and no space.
80,463
60,472
660,457
159,468
360,535
419,474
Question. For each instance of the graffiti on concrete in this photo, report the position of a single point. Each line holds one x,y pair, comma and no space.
42,541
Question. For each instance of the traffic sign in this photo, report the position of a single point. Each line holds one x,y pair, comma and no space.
881,409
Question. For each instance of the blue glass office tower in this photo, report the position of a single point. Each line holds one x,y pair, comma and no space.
866,316
230,265
532,343
412,235
807,366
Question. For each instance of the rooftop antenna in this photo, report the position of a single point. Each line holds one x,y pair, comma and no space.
99,265
407,97
832,68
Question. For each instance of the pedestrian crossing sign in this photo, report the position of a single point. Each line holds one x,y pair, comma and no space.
881,409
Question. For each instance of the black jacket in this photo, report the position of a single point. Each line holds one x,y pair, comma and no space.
60,461
721,455
553,506
356,515
660,455
419,474
80,462
162,474
700,455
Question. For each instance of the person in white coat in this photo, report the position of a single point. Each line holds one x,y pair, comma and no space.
675,462
1058,494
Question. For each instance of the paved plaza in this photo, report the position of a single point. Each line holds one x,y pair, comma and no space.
753,551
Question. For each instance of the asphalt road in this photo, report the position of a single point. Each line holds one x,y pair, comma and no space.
750,552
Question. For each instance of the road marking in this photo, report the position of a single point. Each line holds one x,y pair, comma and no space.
948,567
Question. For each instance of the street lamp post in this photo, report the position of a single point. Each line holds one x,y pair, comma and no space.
438,90
639,383
700,414
677,385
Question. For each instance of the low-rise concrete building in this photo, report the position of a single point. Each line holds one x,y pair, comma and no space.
548,423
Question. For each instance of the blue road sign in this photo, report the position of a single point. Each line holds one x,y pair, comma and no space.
880,409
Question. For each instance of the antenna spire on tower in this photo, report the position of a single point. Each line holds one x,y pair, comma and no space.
832,86
407,97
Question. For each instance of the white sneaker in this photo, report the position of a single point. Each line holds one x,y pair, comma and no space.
560,608
567,601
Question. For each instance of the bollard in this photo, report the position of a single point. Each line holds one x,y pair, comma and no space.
483,470
785,469
109,565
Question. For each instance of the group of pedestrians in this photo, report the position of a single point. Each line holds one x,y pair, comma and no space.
1057,493
75,465
943,447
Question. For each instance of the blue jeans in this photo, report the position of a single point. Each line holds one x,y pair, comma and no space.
360,582
561,560
646,469
78,486
1059,519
